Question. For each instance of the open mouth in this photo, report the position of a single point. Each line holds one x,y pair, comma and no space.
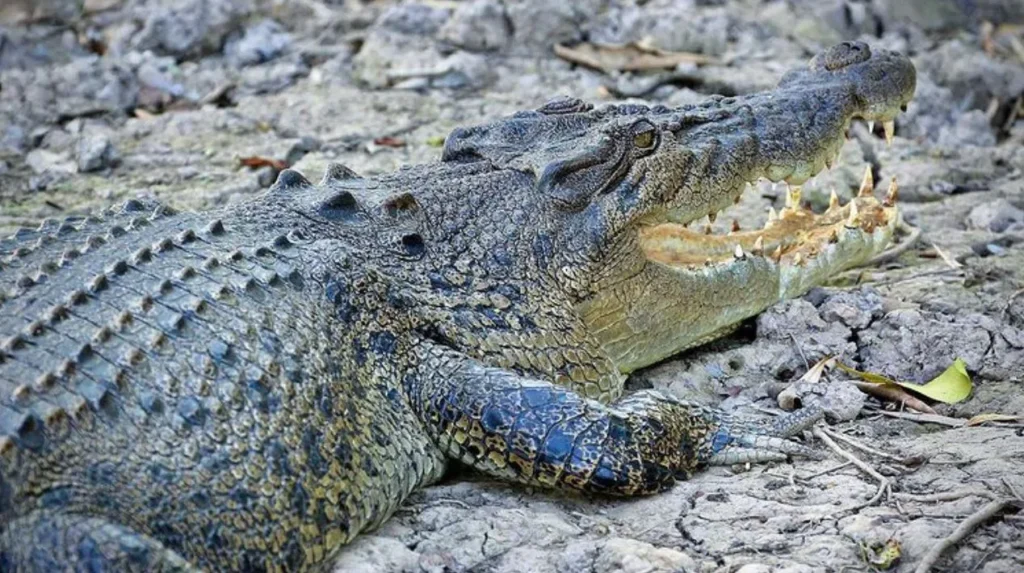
793,237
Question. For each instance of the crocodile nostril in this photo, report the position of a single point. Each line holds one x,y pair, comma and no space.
844,54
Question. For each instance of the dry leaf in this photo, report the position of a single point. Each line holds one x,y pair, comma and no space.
629,57
389,141
950,387
255,161
815,372
982,418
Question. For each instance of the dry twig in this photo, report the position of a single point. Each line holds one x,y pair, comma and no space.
945,495
990,510
914,233
862,446
884,485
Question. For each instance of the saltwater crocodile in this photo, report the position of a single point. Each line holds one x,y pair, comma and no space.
250,388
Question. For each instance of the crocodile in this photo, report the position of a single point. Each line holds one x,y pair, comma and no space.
250,388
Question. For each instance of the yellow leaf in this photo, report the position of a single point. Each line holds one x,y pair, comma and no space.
436,141
982,418
950,387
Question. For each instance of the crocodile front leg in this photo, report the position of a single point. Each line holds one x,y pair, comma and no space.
535,432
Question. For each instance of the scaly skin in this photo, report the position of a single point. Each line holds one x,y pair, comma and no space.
253,387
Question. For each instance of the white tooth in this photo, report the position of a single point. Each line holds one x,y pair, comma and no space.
772,215
871,127
798,258
891,193
867,185
854,218
738,253
890,130
833,201
793,197
758,245
707,228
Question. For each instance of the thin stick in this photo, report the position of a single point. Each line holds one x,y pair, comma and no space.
945,495
1013,490
895,252
990,510
883,482
828,471
861,446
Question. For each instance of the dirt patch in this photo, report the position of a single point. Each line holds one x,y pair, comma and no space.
111,99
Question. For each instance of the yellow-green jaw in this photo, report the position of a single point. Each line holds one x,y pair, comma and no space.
697,286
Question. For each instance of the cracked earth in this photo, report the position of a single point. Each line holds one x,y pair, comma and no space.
104,100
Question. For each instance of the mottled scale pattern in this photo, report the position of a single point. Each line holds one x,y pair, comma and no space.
252,387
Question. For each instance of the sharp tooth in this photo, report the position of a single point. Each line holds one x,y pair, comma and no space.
833,201
772,215
777,253
758,246
834,237
793,197
707,229
891,194
890,129
738,253
735,226
871,127
867,185
798,258
854,219
712,217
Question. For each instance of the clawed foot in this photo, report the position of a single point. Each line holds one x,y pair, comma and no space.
749,443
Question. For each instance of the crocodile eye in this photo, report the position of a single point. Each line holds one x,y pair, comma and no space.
645,135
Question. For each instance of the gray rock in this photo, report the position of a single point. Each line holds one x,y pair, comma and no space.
466,70
259,43
665,27
973,77
854,308
86,86
27,11
947,15
41,161
540,24
189,29
935,118
840,400
477,26
414,19
916,346
95,152
272,77
996,216
13,140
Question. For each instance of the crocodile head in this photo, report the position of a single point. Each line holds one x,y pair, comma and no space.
620,184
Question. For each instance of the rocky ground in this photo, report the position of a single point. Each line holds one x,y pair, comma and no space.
201,102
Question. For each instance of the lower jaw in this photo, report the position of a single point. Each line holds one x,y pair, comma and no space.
795,241
698,286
